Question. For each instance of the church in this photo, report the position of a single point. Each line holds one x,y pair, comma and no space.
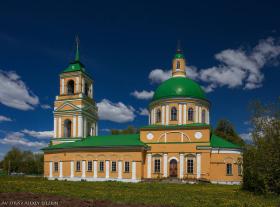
177,143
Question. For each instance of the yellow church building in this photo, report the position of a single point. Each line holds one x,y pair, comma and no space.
177,142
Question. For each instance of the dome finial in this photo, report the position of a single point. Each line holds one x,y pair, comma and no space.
77,57
178,50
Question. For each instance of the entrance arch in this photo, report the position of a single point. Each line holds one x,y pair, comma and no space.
173,168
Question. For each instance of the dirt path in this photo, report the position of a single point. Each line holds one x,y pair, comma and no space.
31,200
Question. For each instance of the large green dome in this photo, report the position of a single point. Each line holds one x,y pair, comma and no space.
179,87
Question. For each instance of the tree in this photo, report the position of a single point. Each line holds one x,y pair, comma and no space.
226,130
261,169
128,130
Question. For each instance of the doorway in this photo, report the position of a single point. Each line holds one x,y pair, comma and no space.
173,168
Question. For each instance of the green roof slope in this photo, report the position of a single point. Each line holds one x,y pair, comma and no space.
219,142
124,140
176,87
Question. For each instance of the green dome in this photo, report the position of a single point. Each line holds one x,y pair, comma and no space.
177,87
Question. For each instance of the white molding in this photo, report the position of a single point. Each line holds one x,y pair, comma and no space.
51,169
83,169
181,166
171,158
95,169
91,179
225,151
133,176
198,165
165,164
149,165
72,169
107,166
60,169
74,126
119,169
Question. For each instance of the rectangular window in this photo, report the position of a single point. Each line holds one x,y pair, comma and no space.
239,169
114,166
56,166
101,166
126,167
78,166
229,169
89,166
190,166
157,166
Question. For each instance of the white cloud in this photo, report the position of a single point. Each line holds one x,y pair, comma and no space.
115,112
143,112
159,75
17,139
247,137
38,134
4,118
45,106
237,67
14,93
145,95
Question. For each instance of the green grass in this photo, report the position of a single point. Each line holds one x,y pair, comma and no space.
142,193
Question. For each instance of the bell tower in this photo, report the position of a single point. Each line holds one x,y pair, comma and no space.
75,111
179,63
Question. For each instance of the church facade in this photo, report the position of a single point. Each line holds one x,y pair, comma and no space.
177,142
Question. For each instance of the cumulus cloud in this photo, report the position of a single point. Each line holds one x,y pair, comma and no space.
236,68
38,134
45,106
115,112
143,112
14,93
247,137
4,118
18,139
144,95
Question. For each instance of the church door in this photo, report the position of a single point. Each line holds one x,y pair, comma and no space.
173,168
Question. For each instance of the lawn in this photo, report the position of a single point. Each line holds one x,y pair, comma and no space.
142,193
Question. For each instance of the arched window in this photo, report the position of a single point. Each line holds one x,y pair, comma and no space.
173,114
86,89
203,116
158,115
67,128
70,87
178,65
190,114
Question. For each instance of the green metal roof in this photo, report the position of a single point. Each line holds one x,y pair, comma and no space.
75,66
176,87
179,56
176,126
219,142
124,140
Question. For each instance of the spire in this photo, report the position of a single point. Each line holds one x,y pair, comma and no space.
179,50
77,57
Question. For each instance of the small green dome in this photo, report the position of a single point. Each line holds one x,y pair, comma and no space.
179,56
177,87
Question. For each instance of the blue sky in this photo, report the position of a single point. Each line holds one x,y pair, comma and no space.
232,49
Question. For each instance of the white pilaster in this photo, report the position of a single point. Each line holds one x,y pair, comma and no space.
181,166
74,126
185,114
62,86
199,115
96,129
85,126
83,85
95,169
60,169
54,128
107,163
165,165
91,91
198,165
196,114
154,114
80,126
167,114
51,169
119,169
208,117
180,114
133,177
77,84
72,169
162,115
59,127
149,165
83,169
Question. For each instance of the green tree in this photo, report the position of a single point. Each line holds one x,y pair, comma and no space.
128,130
226,130
261,159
